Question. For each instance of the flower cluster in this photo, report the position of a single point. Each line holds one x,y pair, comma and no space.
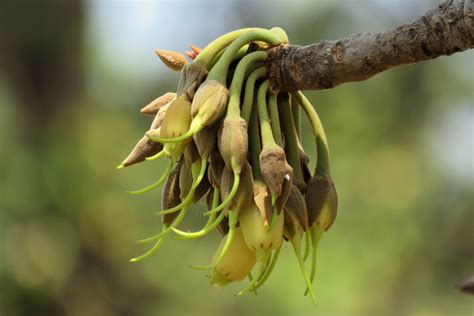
234,143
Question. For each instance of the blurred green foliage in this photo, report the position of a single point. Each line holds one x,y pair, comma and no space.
401,243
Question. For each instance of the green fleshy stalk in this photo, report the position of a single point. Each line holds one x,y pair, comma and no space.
160,237
271,266
211,224
209,53
157,156
322,165
295,242
265,128
220,70
316,234
307,245
157,183
291,139
263,258
275,119
241,53
249,92
233,107
233,219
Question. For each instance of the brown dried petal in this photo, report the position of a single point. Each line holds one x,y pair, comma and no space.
153,107
285,189
274,168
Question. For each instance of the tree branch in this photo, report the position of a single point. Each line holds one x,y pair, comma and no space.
443,31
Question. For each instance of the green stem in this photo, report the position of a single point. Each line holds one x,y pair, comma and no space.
295,242
249,92
296,110
322,165
269,270
291,139
275,119
219,71
255,147
265,128
241,53
233,107
207,55
162,179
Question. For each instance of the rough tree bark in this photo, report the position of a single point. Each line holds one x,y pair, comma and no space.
442,31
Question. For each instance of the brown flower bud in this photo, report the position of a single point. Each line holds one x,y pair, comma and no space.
153,107
215,169
185,180
143,149
209,102
275,169
297,206
158,120
205,140
173,60
171,195
292,226
233,142
321,201
191,77
191,154
201,189
244,194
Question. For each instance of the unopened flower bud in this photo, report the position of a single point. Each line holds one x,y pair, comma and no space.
205,140
173,60
209,102
275,169
185,180
191,77
297,205
292,226
153,107
244,194
171,195
191,154
236,263
216,167
321,201
233,142
143,149
201,189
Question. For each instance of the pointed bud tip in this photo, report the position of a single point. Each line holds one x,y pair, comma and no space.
121,166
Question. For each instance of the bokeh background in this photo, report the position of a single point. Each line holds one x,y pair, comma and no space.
73,75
